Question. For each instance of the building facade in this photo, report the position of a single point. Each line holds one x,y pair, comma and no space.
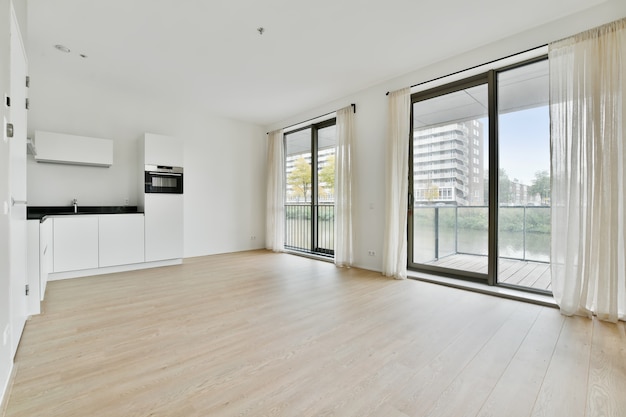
448,165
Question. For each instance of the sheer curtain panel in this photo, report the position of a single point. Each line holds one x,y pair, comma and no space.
275,212
587,111
398,134
343,187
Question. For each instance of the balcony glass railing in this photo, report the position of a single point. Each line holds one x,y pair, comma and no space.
439,231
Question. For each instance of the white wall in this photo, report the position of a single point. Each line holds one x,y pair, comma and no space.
224,159
6,362
371,125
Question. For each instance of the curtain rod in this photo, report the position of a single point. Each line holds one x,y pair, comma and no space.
476,66
317,117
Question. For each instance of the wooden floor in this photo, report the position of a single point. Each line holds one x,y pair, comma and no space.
264,334
510,271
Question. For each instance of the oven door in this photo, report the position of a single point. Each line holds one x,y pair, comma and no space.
163,179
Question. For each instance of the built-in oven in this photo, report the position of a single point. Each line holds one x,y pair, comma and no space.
163,179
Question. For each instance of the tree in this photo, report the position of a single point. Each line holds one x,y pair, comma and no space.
504,188
300,178
432,193
326,176
541,185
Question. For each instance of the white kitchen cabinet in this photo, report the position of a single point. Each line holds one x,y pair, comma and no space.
32,256
46,257
75,243
162,150
61,148
121,239
164,226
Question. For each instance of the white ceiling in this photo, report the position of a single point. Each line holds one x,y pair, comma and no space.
209,53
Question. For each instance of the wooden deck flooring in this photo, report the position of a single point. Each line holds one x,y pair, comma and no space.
510,271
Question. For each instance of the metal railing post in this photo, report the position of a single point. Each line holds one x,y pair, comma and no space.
524,238
436,232
456,229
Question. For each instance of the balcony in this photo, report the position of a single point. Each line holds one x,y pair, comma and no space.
456,237
303,236
428,175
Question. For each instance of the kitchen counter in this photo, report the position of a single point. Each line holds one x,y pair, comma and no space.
39,212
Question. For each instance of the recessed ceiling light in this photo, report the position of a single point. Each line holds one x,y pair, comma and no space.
62,48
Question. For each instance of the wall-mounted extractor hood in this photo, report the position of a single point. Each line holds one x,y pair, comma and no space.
60,148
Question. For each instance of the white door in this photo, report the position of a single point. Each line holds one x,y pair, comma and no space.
17,186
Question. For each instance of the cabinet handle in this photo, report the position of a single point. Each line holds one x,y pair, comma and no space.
9,130
14,201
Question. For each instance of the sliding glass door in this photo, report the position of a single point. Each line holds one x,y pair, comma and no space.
524,177
450,149
479,175
309,192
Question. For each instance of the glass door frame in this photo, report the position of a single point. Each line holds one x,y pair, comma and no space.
490,79
314,203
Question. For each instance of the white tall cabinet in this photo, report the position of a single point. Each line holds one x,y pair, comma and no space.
164,226
162,150
163,212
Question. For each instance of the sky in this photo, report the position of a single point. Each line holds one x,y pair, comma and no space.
524,143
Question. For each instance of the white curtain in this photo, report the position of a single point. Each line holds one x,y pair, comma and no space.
275,212
588,113
343,187
395,245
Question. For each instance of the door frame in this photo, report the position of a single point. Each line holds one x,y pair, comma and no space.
18,233
490,78
452,87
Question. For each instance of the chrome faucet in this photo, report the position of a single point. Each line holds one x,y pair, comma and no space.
75,203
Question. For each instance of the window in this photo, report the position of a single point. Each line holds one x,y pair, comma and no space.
309,188
498,225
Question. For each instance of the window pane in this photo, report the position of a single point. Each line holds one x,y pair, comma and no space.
326,141
450,181
298,166
309,189
524,177
298,190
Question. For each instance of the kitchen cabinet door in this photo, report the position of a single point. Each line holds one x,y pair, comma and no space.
164,227
121,238
75,243
32,255
46,259
163,150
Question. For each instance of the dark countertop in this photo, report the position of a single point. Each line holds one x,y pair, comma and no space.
39,212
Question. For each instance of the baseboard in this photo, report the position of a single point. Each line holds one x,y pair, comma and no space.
55,276
6,392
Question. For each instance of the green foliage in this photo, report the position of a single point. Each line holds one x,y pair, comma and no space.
298,212
504,188
476,218
538,220
326,175
541,185
432,193
303,212
300,178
